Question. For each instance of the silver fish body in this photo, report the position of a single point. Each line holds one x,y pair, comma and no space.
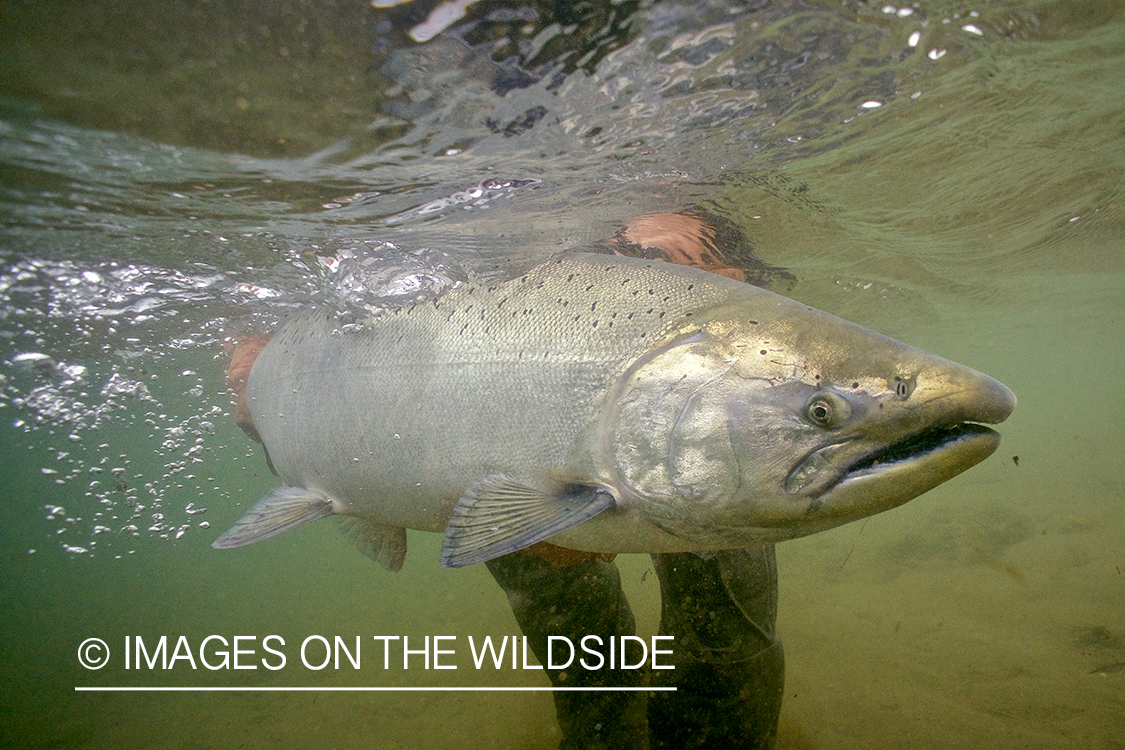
607,404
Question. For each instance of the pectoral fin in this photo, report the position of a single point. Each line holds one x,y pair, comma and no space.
499,515
383,543
282,509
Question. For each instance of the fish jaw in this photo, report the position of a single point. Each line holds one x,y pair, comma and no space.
925,461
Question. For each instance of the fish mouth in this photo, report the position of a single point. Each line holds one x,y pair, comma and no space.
888,477
920,445
951,444
946,450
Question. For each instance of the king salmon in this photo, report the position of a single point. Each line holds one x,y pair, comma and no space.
606,404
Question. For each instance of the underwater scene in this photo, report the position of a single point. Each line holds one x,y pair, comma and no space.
178,179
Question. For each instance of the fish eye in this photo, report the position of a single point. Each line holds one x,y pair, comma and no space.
827,409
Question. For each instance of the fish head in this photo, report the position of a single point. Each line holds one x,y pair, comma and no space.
774,420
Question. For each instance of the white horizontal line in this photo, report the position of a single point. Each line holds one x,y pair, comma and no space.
184,689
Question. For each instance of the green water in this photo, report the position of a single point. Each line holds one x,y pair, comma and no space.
199,147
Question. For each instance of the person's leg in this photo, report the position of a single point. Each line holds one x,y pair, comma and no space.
575,601
730,670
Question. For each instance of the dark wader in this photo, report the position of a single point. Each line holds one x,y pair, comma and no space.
729,665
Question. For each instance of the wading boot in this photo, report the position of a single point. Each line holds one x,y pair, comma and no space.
730,670
576,600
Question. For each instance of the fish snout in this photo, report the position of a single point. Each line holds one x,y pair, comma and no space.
965,395
994,401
